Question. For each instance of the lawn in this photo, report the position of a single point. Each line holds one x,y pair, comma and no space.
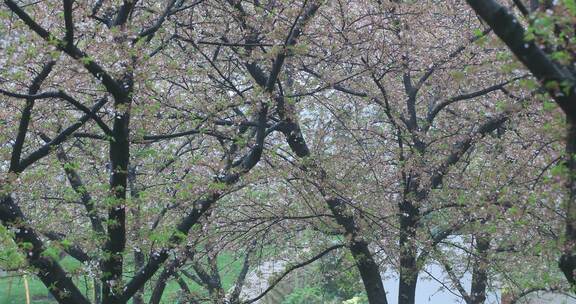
12,289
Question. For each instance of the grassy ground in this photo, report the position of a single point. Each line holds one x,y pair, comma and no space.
12,287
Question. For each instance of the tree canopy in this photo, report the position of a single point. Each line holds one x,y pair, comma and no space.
354,140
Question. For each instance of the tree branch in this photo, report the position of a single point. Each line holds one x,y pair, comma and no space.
69,23
74,251
291,268
149,32
27,114
509,30
291,40
95,69
50,272
66,97
467,96
124,12
462,146
241,278
60,138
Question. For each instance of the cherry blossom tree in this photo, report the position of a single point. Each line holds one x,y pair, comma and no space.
145,139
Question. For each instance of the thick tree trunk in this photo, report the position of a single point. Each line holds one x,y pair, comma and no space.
139,258
568,260
408,253
480,271
369,272
138,264
367,266
113,265
97,291
408,275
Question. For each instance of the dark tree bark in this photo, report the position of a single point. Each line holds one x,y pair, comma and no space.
408,253
367,266
139,258
113,290
480,270
26,116
113,264
79,187
169,271
250,159
567,261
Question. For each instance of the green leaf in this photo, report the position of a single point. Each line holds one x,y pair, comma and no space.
26,246
561,56
552,85
71,166
66,243
458,75
217,186
51,252
548,106
571,6
559,170
501,105
566,87
478,33
86,60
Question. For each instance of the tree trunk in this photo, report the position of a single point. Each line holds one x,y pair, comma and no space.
568,260
161,285
97,291
369,271
408,253
139,258
480,271
49,270
367,266
112,265
546,71
138,264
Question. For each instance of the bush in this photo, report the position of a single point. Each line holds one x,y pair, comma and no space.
305,295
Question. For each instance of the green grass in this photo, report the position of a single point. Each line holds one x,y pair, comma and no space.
229,269
12,287
12,291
